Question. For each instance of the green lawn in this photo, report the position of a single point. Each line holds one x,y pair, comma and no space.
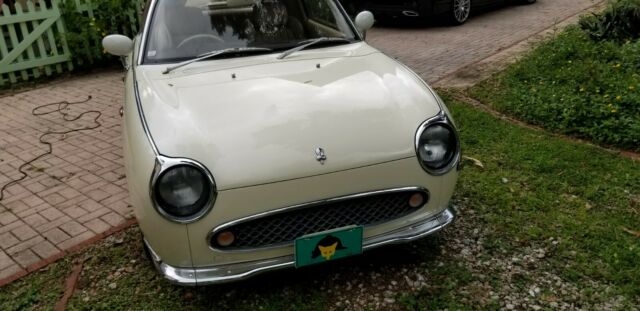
576,86
574,193
537,191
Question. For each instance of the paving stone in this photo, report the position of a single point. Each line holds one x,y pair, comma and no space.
55,223
25,258
76,240
24,232
17,206
54,199
52,213
35,220
45,249
91,205
76,183
75,212
96,225
71,202
69,193
113,189
56,236
98,195
33,200
7,218
42,207
24,245
10,271
49,183
17,189
7,240
93,215
5,261
11,226
73,228
90,178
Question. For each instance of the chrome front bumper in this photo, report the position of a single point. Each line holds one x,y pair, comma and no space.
240,271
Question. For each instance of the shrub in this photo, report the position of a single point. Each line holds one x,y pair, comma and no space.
619,22
84,33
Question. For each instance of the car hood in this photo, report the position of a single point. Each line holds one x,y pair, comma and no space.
259,120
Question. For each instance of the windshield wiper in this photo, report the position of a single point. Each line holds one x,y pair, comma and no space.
214,54
307,43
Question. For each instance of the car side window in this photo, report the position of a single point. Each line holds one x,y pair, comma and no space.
320,11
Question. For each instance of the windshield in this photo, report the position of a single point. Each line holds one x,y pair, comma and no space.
184,29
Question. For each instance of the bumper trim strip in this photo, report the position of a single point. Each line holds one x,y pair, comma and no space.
240,271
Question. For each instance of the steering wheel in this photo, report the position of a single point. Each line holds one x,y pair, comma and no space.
199,37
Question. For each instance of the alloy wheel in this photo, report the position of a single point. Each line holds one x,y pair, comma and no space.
461,10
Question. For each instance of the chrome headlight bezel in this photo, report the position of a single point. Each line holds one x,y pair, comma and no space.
441,119
164,164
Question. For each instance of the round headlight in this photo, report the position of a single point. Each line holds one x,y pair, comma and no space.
437,147
183,191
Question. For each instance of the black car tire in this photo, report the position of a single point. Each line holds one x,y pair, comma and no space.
460,10
527,1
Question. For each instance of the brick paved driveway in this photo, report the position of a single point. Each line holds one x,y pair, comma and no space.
74,194
438,51
79,192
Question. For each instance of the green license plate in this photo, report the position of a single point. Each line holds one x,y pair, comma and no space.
328,246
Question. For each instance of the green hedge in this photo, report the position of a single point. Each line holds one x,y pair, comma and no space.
619,22
88,22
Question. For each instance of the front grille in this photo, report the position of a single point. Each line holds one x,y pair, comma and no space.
285,227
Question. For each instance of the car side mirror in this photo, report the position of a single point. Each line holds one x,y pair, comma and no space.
117,45
364,21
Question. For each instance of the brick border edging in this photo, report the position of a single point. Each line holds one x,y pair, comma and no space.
74,249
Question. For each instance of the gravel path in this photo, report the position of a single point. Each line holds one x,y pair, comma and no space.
477,277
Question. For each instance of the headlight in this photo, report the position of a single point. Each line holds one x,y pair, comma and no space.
183,190
437,145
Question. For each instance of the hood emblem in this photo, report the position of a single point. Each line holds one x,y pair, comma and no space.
320,155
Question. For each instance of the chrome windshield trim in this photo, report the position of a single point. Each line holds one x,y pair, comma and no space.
440,118
143,119
346,16
232,223
163,164
240,271
145,31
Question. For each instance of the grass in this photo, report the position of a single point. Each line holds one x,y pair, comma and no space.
42,289
570,192
576,86
535,188
449,279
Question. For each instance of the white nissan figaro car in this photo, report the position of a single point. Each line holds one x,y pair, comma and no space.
266,134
